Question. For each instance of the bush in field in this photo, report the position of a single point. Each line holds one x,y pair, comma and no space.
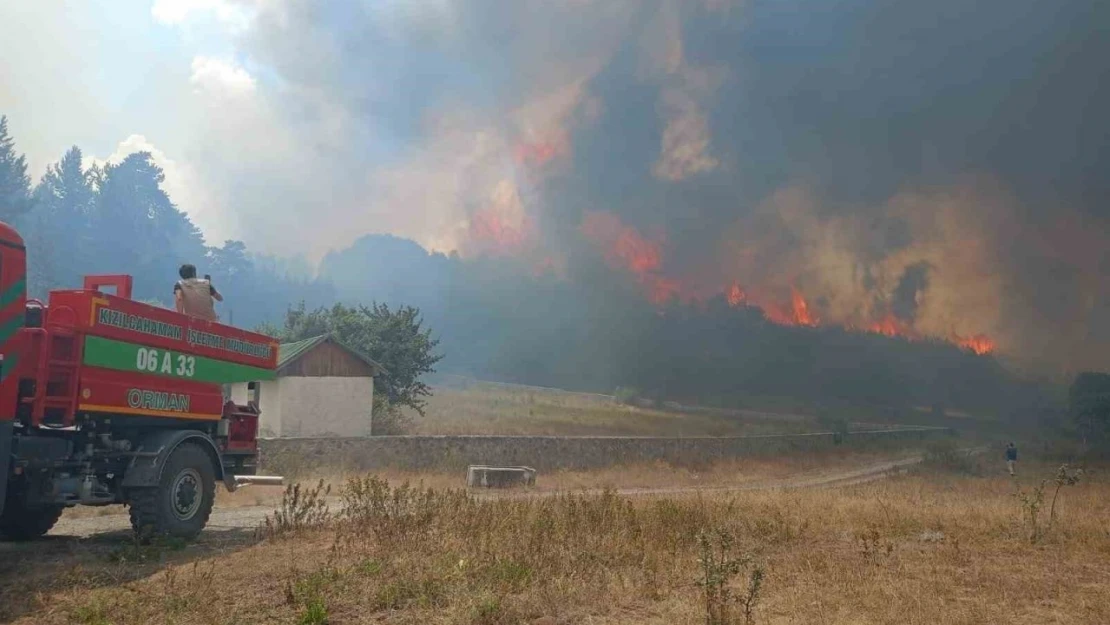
945,455
388,419
836,424
370,503
719,567
626,395
300,509
1089,407
1032,501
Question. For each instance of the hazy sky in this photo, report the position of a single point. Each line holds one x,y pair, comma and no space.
117,77
244,104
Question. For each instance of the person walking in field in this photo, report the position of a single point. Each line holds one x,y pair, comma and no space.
1011,457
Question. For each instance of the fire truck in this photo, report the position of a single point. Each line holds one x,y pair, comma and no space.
106,400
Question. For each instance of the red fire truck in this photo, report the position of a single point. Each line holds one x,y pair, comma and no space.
106,400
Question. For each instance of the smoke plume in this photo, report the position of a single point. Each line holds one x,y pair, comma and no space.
925,169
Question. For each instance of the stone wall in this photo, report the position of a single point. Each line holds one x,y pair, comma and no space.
297,456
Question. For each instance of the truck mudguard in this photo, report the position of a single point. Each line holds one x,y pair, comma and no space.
145,469
5,460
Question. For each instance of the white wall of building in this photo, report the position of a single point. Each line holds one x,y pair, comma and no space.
313,406
269,424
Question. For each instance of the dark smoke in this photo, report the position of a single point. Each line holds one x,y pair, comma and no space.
944,158
915,280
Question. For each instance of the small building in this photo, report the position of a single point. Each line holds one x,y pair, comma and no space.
322,388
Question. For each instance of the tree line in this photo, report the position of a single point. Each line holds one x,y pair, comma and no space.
83,218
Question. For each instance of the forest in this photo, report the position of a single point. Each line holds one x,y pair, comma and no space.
589,329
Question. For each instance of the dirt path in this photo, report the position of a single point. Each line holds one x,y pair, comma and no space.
249,517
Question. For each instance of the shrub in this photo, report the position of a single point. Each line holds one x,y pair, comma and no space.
300,509
388,419
945,455
626,395
1032,501
718,568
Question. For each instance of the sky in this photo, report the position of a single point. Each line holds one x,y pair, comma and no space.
113,78
240,102
944,159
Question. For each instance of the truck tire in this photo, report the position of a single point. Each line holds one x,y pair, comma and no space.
21,522
181,503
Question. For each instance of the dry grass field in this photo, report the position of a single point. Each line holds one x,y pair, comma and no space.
467,406
483,408
736,473
936,546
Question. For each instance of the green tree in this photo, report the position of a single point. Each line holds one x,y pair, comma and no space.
1089,405
57,231
15,185
136,229
395,338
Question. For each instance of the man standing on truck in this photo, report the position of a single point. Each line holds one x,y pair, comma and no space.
194,296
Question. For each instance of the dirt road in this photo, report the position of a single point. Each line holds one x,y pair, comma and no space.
249,517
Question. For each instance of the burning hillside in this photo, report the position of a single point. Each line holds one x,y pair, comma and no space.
626,249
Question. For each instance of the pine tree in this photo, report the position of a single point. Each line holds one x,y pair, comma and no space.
137,229
57,231
15,185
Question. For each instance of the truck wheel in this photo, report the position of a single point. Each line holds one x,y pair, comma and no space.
21,522
181,503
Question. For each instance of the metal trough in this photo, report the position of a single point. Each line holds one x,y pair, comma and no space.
481,476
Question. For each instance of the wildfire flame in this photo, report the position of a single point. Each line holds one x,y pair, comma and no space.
735,295
540,149
801,314
495,235
535,154
637,254
980,343
794,313
892,326
797,313
625,248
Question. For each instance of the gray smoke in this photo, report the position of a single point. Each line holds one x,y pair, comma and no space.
940,161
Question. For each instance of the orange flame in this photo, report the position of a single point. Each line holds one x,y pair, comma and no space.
625,248
797,313
660,289
534,153
537,153
637,254
794,313
801,314
735,295
892,326
981,344
493,234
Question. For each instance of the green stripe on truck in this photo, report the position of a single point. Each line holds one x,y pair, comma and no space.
12,293
122,356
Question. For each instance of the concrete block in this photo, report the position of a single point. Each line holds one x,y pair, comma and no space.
481,476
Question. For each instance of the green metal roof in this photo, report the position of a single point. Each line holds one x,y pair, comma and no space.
288,352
